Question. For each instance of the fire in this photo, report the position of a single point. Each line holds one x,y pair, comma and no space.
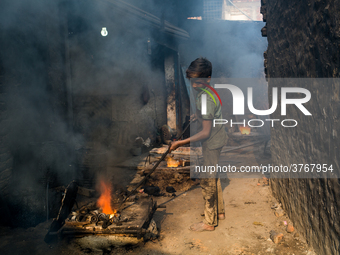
244,130
172,162
104,201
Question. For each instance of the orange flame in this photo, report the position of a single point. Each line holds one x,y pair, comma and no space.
244,130
170,162
104,201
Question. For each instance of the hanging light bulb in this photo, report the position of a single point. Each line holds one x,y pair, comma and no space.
149,47
104,31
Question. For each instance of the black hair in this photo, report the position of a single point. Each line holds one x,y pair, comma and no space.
199,68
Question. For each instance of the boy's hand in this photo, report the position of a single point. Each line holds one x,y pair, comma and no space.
174,145
193,117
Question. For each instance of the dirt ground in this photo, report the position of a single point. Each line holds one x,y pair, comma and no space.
249,219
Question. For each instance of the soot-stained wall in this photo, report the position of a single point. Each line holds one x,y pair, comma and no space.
303,42
37,143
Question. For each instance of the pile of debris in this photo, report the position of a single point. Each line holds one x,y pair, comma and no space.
173,173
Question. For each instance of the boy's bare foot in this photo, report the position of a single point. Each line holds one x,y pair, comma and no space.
199,227
221,216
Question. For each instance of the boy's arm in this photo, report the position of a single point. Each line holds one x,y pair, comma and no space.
203,134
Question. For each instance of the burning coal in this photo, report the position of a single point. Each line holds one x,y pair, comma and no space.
171,162
245,130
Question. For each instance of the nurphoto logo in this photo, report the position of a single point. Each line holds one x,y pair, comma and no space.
238,104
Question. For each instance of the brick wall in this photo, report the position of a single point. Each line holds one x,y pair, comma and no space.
303,41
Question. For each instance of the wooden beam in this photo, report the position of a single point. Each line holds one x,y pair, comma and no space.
169,70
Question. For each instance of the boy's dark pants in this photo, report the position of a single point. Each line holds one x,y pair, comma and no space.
211,188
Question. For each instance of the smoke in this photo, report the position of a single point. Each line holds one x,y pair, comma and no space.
34,127
76,100
34,109
120,69
235,48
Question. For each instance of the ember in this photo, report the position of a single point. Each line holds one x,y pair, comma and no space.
245,130
104,201
172,162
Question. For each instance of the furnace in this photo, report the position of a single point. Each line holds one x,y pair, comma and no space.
130,223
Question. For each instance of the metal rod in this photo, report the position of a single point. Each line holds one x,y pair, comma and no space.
153,168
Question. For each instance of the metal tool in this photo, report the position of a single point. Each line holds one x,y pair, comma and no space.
154,167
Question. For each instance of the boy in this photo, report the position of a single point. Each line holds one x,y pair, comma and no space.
212,138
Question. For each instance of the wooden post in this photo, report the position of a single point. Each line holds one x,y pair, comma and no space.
169,70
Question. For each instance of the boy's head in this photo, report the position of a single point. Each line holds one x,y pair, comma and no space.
199,68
